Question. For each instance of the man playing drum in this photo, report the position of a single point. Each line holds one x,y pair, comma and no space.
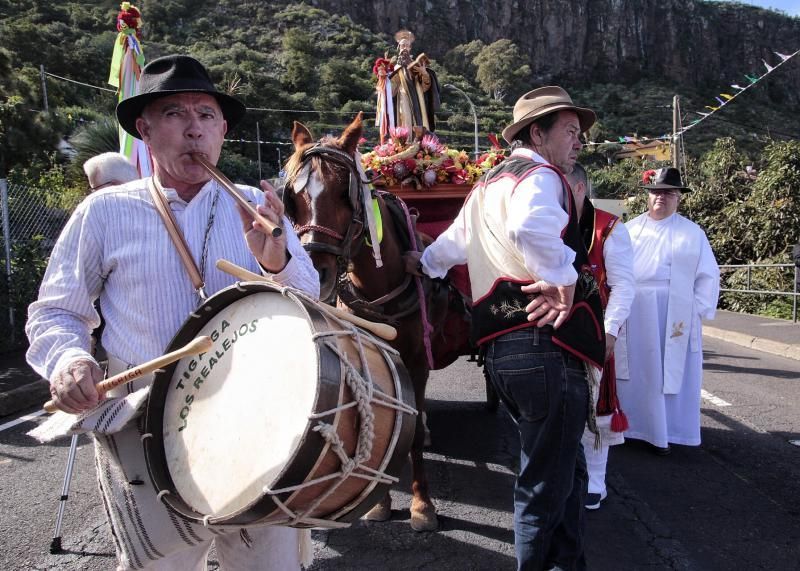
116,248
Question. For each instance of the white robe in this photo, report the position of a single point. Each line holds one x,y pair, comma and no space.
677,285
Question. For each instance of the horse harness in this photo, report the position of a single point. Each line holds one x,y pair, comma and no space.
404,297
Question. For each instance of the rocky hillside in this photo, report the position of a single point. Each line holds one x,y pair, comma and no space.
692,43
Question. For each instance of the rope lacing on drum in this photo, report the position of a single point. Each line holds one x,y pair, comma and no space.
364,395
361,388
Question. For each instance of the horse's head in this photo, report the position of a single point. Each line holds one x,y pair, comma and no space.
323,196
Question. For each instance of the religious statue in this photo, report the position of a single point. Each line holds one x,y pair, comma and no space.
408,91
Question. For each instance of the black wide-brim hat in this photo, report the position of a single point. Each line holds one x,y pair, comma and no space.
170,75
664,179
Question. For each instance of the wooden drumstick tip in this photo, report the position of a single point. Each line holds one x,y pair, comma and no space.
201,344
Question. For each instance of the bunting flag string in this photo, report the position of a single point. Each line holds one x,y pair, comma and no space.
720,101
726,98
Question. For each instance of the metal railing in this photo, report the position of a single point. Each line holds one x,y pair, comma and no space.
794,294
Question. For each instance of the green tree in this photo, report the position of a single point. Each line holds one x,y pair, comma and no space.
299,60
776,200
500,66
461,59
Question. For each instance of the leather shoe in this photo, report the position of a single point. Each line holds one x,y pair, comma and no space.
659,451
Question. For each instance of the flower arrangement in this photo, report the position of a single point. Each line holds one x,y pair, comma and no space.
426,162
129,20
648,176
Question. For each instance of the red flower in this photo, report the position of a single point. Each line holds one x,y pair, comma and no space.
129,17
381,65
647,176
493,140
459,177
411,165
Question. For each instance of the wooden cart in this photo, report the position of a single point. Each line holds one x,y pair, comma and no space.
436,208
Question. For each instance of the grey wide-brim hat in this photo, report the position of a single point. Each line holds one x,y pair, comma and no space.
170,75
541,102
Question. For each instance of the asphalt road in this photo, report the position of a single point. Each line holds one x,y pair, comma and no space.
733,503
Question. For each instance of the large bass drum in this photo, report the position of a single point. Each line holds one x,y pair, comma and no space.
293,418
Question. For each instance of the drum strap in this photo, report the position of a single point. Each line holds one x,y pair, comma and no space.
162,206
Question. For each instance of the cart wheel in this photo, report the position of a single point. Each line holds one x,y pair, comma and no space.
492,400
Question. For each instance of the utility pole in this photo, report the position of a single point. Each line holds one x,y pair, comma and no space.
4,207
44,88
474,114
675,147
258,146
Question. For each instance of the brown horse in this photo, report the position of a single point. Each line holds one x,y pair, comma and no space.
324,197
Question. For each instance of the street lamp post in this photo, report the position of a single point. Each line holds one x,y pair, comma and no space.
474,114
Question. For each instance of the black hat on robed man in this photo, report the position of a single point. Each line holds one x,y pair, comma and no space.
170,75
668,178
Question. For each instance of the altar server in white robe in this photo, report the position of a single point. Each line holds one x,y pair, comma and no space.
660,353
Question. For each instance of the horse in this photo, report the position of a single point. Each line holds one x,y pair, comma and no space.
324,197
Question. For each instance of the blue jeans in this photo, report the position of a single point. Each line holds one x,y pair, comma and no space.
544,389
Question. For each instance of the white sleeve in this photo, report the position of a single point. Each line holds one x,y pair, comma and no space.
299,273
535,222
706,282
448,250
618,256
61,320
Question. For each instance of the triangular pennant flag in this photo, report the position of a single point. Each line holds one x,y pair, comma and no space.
752,79
695,122
703,114
720,101
726,96
783,57
769,67
712,108
739,87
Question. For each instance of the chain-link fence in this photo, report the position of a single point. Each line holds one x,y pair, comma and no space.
30,227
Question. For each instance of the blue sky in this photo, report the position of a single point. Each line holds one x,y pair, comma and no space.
791,7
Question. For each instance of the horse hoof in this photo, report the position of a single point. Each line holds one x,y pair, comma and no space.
424,520
379,512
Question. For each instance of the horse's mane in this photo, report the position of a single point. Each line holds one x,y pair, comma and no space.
295,162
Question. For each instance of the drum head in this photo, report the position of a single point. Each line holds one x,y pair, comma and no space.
232,417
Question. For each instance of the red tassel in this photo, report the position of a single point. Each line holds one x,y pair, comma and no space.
619,422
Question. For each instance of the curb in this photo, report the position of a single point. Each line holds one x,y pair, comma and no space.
788,350
26,396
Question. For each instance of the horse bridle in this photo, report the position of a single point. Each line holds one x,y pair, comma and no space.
349,243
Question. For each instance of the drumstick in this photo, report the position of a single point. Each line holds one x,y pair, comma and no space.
198,345
274,229
382,330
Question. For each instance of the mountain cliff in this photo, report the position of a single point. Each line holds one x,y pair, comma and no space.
690,42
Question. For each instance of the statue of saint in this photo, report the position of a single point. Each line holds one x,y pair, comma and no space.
408,91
